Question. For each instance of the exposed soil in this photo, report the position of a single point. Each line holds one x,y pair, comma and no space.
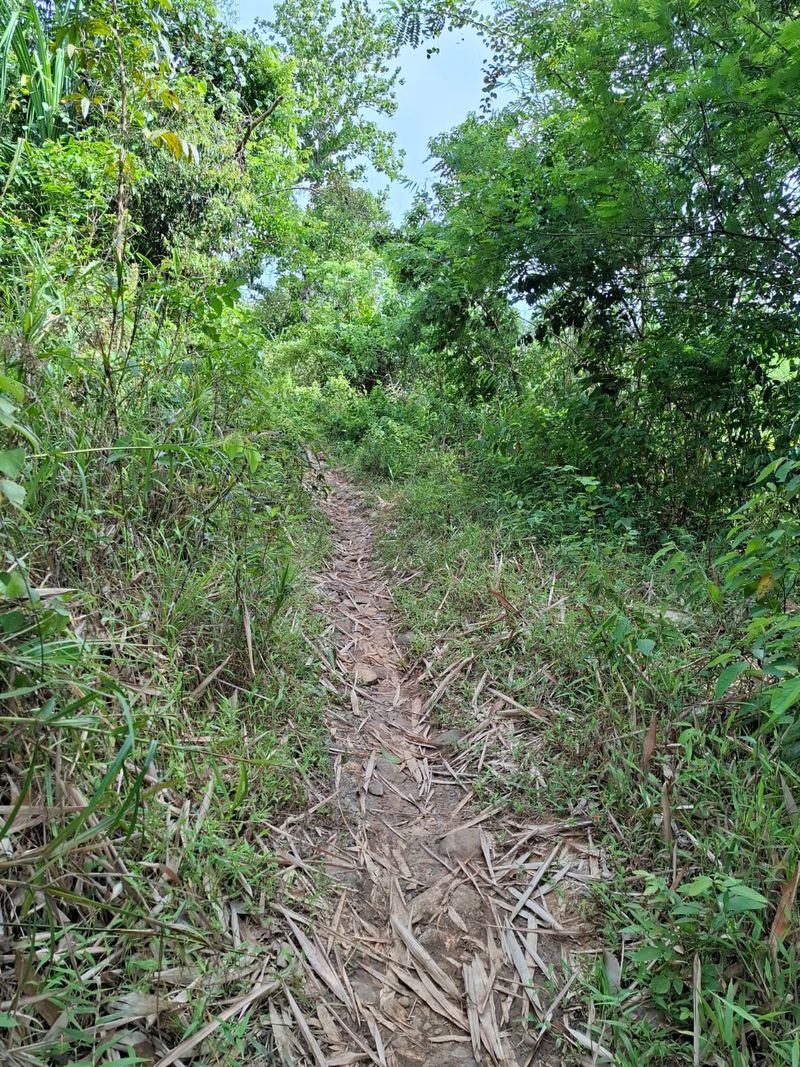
444,932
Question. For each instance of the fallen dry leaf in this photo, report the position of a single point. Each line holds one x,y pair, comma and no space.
783,910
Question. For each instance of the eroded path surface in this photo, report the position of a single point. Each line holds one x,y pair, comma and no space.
443,931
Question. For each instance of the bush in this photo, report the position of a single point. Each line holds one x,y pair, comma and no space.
391,448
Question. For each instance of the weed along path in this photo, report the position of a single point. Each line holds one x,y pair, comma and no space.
445,932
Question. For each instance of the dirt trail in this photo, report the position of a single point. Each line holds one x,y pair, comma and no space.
436,927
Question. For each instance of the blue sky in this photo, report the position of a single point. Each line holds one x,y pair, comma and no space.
438,93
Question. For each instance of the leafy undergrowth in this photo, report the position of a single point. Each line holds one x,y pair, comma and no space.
161,707
658,676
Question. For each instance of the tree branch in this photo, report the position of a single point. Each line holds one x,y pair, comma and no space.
239,154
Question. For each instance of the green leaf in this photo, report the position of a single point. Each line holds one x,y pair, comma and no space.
789,34
661,984
233,446
729,676
13,585
715,594
697,887
12,461
253,458
13,492
620,630
12,387
785,695
7,410
11,622
646,954
739,897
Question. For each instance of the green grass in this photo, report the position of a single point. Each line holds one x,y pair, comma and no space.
146,746
180,819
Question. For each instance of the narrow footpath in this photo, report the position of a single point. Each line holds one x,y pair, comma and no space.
445,932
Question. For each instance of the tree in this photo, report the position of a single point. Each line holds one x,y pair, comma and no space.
343,72
640,193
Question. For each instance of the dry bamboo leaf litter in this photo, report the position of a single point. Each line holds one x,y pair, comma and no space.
414,946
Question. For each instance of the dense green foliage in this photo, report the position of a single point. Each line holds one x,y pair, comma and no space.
579,354
159,699
640,192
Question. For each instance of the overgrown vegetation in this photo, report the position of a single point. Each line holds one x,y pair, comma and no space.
573,368
160,701
668,686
